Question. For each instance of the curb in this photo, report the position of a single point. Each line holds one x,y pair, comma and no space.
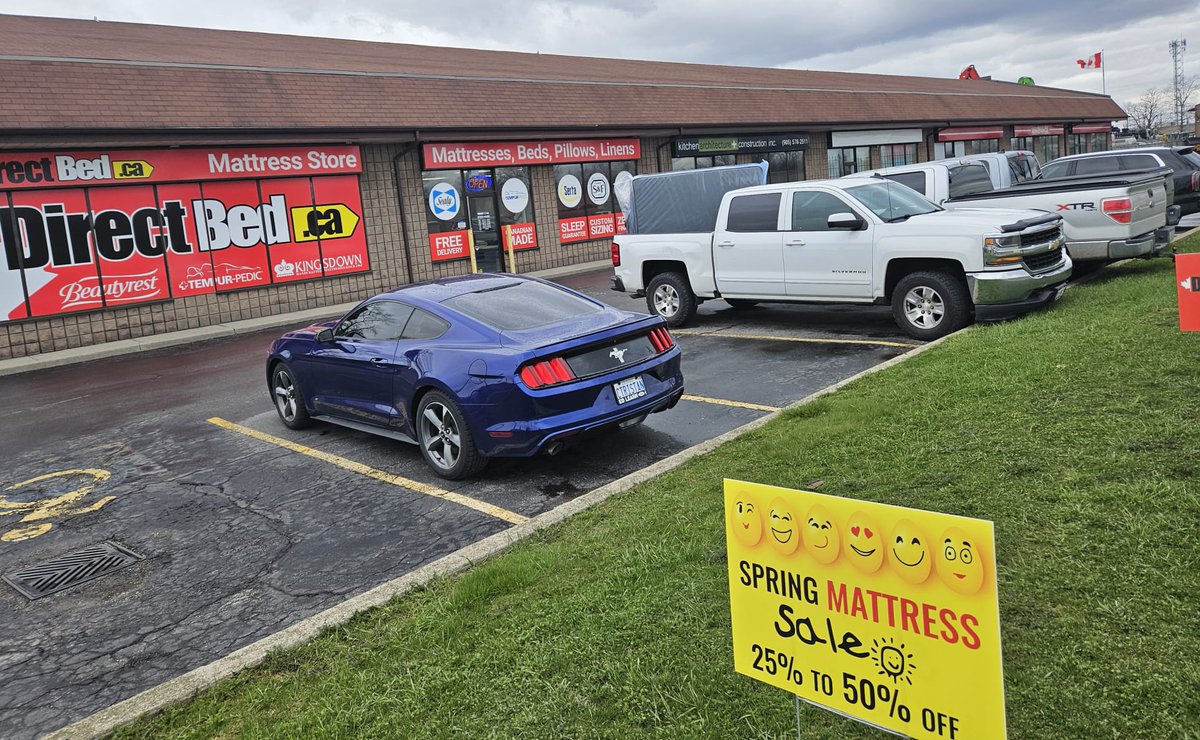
154,700
121,347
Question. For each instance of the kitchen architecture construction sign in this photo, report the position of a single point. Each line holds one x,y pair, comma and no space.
95,229
885,614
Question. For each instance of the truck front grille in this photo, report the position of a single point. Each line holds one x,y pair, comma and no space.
1043,261
1041,237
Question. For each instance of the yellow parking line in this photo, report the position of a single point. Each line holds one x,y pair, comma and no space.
807,340
370,472
723,402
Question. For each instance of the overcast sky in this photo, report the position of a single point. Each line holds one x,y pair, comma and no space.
1007,39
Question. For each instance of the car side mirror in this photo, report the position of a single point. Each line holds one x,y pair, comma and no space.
846,221
325,336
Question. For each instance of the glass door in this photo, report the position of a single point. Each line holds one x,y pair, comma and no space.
484,219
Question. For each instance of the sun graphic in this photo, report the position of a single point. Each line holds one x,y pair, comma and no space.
892,660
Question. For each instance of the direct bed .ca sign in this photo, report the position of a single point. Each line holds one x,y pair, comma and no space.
106,228
886,614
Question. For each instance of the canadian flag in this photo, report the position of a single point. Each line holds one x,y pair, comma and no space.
1092,62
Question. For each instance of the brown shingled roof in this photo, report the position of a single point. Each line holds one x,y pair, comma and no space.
85,76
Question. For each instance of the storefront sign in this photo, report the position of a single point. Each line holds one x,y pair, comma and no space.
970,133
570,191
444,201
1044,130
885,614
38,170
514,195
691,146
573,229
511,153
448,245
1091,128
621,223
74,249
1187,282
520,236
839,139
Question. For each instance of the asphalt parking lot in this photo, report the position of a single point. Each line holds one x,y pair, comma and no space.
245,527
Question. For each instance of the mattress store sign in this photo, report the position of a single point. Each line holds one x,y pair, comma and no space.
88,230
513,153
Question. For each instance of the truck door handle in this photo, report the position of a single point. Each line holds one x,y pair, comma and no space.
795,243
724,244
380,361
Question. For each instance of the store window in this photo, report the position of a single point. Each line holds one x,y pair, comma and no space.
953,149
1046,148
849,160
486,208
587,207
784,166
897,155
1083,143
699,163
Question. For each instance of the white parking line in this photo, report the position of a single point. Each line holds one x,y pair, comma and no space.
807,340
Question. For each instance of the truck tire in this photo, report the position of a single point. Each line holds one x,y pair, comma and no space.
670,296
928,305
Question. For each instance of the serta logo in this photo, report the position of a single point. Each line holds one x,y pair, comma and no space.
240,226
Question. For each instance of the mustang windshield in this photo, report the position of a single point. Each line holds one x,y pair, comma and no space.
521,304
891,201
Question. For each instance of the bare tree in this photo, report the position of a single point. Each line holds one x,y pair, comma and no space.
1188,87
1146,114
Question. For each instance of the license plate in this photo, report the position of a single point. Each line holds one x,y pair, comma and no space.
629,389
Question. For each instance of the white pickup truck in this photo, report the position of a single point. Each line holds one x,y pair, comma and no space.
849,241
1105,217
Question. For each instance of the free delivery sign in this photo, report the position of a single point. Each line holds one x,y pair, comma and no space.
886,614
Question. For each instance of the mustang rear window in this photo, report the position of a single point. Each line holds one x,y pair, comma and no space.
521,305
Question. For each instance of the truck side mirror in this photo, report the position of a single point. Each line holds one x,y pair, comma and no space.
846,222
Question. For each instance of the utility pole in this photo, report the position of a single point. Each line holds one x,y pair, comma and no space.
1177,50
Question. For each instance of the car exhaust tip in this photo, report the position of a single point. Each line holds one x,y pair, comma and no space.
554,448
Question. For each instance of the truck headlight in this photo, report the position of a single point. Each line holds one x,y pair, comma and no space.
1002,250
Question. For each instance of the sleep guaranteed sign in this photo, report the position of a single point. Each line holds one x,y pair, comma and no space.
886,614
83,230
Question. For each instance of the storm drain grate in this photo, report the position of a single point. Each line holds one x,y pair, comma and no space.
73,568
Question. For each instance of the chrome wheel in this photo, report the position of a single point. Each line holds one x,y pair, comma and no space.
666,300
285,395
440,435
924,307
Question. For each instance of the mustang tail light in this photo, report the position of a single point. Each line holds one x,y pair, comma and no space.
1118,209
661,339
546,372
616,254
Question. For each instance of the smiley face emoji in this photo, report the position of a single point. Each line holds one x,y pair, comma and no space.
785,535
960,562
746,522
864,543
908,552
821,538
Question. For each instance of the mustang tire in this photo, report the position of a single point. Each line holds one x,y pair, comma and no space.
445,439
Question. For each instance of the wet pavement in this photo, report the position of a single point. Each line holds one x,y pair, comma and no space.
244,535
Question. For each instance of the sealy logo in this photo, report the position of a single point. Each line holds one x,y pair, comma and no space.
618,355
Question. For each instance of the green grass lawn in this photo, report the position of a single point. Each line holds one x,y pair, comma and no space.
1076,430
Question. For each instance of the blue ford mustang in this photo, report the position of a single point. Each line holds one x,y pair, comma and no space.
477,366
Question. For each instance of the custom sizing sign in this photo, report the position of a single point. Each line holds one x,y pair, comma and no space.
152,225
886,614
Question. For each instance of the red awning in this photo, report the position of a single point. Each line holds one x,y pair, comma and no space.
1091,128
1040,130
964,133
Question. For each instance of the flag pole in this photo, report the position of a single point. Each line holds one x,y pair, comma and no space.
1103,81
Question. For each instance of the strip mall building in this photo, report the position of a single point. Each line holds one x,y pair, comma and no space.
154,178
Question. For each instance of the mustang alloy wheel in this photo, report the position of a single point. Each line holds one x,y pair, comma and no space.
289,402
445,439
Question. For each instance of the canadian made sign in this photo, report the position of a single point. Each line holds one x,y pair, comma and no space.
513,153
1187,282
155,225
886,614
